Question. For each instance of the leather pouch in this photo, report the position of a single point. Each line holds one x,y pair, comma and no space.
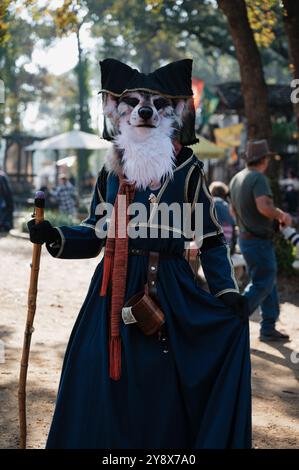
142,309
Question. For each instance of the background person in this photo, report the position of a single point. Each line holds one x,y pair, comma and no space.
252,200
66,196
292,236
291,192
6,204
219,191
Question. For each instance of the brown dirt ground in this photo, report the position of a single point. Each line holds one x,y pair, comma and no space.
62,287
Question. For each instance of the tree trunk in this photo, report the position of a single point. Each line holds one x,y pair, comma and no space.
291,22
83,155
147,60
251,71
253,83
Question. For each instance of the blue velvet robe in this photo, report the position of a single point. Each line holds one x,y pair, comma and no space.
197,395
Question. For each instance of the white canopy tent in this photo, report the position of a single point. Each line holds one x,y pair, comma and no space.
73,140
70,140
67,161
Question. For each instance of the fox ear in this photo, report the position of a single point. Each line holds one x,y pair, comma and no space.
187,117
179,108
109,104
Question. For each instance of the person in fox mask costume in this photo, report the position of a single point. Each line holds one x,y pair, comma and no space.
187,384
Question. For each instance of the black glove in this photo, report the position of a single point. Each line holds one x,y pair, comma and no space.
43,232
239,303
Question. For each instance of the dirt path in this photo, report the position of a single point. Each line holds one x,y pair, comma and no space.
63,285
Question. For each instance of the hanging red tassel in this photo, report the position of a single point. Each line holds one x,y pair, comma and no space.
115,271
115,357
107,272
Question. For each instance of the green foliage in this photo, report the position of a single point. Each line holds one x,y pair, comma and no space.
143,33
56,219
4,36
66,17
136,31
69,18
25,26
148,32
285,255
284,132
27,23
263,16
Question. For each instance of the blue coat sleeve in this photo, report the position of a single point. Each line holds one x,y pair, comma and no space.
84,240
217,266
214,251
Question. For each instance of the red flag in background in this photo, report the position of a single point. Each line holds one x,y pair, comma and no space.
234,155
197,88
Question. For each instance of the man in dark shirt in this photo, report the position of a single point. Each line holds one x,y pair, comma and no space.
252,201
6,204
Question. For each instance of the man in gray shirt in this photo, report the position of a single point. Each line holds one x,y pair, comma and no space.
252,201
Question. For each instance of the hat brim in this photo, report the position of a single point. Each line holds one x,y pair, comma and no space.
173,80
148,90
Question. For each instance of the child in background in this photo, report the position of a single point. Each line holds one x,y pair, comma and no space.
219,191
292,236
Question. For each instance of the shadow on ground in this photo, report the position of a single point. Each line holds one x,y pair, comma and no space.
39,401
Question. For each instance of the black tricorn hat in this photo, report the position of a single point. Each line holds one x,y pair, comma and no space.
173,81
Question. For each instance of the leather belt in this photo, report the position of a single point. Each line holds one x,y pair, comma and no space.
247,236
153,265
152,272
250,236
134,251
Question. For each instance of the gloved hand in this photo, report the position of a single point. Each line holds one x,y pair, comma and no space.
43,232
239,303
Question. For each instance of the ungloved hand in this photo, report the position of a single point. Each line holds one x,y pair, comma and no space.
43,232
239,303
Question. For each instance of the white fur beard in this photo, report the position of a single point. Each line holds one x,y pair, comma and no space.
148,153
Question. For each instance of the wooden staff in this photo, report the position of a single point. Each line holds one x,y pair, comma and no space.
39,204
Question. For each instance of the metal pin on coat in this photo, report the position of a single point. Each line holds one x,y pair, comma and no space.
39,204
